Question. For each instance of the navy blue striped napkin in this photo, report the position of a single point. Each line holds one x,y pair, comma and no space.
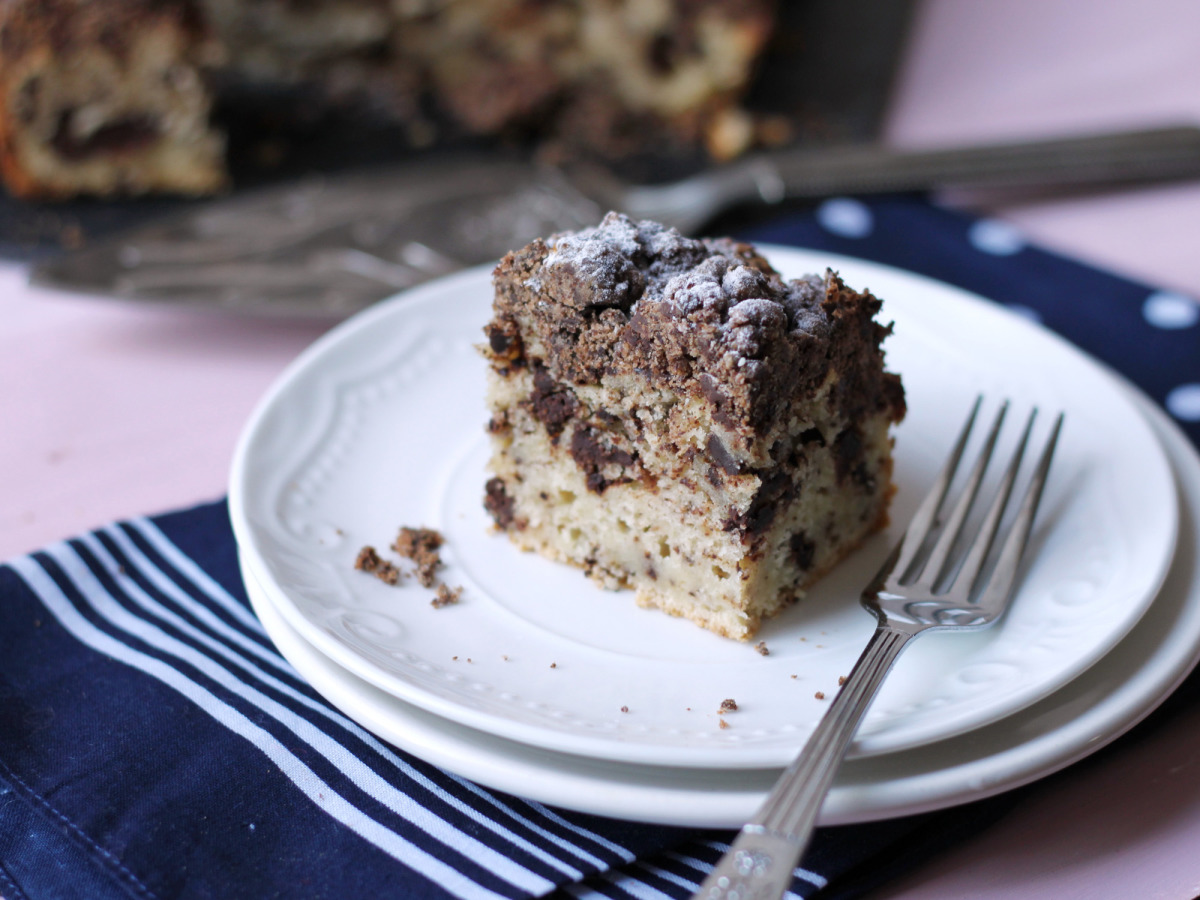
153,744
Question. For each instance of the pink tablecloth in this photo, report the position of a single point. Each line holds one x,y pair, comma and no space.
83,382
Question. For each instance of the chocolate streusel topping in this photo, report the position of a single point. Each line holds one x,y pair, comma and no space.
707,317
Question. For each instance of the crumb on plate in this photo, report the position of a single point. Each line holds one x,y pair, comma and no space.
370,561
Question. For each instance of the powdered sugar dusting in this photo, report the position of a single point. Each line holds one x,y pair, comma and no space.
743,282
711,285
758,313
704,282
616,235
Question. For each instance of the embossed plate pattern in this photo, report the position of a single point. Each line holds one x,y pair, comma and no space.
380,424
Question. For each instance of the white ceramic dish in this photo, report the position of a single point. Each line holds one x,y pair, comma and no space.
1080,718
380,424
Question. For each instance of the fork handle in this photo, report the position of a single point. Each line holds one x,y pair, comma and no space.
760,862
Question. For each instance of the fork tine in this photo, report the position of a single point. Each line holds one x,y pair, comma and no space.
926,515
936,565
1004,576
968,574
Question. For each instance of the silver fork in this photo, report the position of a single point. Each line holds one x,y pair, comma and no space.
917,590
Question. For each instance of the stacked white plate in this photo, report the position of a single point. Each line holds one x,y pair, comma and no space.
541,684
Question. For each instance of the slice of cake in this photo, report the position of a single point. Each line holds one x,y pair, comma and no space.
106,98
674,417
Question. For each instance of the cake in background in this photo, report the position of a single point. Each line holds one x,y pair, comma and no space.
106,97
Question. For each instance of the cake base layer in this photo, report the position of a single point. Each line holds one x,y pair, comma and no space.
666,539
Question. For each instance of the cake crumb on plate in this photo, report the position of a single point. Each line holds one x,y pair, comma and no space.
371,562
421,546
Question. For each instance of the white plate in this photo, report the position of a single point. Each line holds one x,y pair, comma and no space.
380,424
1077,720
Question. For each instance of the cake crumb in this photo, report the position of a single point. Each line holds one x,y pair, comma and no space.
624,709
369,561
820,695
761,647
421,546
554,665
727,705
795,677
723,723
841,680
445,596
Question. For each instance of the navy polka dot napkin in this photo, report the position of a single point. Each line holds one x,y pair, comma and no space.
153,744
1150,336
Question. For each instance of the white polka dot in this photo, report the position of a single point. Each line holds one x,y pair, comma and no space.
996,237
1184,402
1025,312
1163,309
846,217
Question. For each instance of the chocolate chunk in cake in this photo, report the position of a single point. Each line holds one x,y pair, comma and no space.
673,416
